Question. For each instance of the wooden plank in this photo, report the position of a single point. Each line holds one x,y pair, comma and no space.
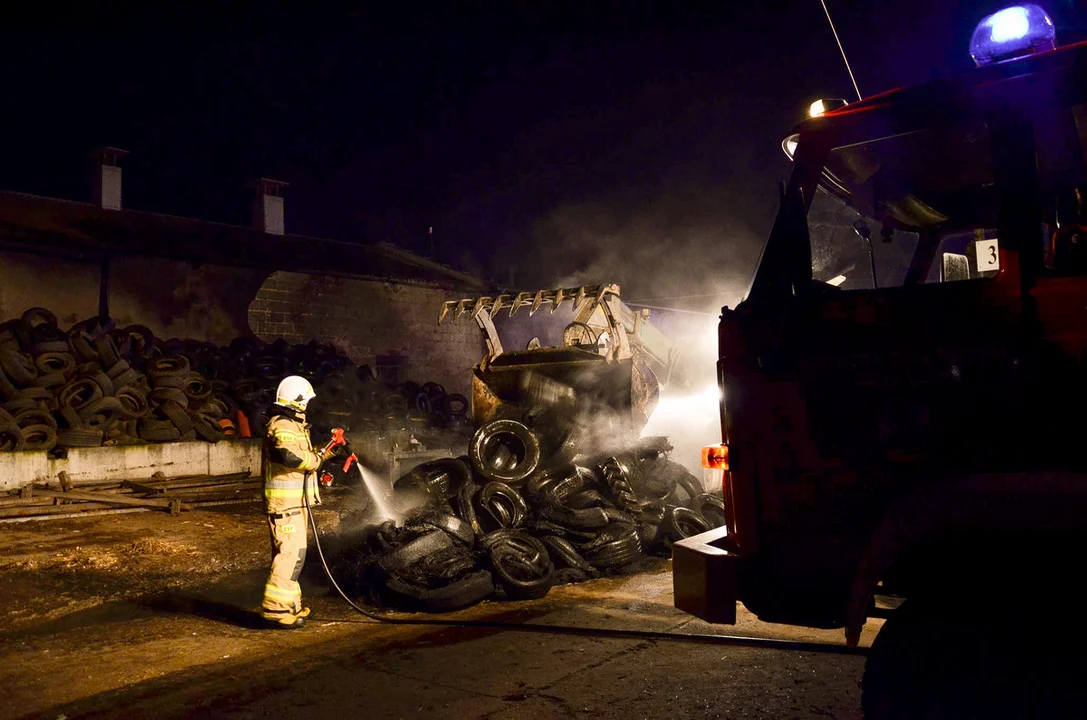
143,488
65,481
50,509
106,498
74,515
16,501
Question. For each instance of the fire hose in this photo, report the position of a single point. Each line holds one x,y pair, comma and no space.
338,439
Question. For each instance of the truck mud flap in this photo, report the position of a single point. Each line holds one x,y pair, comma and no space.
704,577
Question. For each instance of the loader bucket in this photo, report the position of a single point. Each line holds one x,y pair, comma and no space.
565,376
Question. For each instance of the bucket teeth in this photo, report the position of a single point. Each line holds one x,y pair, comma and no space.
462,307
579,299
536,302
447,307
560,295
521,299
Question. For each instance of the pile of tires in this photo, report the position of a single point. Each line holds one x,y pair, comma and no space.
357,402
528,508
95,384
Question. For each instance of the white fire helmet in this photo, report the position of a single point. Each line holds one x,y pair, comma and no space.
295,393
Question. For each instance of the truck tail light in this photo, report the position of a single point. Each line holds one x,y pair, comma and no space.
715,457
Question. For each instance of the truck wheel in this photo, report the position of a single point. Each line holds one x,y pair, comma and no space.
939,659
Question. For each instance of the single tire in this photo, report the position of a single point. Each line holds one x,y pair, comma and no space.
11,438
196,387
49,380
102,406
116,369
417,549
126,379
505,450
463,593
173,382
503,505
207,429
565,555
680,523
56,362
587,519
455,405
19,367
134,403
20,403
452,526
6,418
38,394
160,435
442,478
79,393
177,415
711,507
188,436
521,563
102,381
168,366
165,395
616,546
39,437
73,438
34,416
38,317
466,509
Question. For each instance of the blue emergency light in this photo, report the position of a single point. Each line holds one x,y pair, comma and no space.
1012,33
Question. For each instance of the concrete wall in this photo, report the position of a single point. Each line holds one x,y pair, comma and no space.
174,299
371,318
88,465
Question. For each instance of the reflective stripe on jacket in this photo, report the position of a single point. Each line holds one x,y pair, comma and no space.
287,456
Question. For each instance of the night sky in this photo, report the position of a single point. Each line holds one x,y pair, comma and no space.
630,142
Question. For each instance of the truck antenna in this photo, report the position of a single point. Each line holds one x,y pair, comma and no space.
841,50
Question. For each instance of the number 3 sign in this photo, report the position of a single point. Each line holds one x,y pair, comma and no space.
988,255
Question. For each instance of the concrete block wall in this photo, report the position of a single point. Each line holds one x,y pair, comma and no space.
370,318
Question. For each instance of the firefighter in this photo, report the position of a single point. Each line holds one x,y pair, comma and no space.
287,457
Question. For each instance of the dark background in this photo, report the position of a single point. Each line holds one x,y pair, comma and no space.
542,142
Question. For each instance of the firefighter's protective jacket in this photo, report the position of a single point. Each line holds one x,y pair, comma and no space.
286,458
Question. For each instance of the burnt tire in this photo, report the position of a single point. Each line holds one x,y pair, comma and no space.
520,562
616,546
565,555
502,505
680,523
463,593
493,440
711,507
39,437
414,551
442,478
455,405
74,438
466,508
452,526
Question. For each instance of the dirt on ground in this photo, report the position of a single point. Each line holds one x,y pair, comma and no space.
148,615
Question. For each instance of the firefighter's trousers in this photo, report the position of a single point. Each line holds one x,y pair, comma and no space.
282,593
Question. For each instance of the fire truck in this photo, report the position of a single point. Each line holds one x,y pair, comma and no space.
904,387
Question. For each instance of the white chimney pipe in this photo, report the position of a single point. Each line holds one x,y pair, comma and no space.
107,178
268,206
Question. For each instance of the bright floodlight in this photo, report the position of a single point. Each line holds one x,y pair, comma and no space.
1011,33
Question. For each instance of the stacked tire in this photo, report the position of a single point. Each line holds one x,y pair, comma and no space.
521,513
96,384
